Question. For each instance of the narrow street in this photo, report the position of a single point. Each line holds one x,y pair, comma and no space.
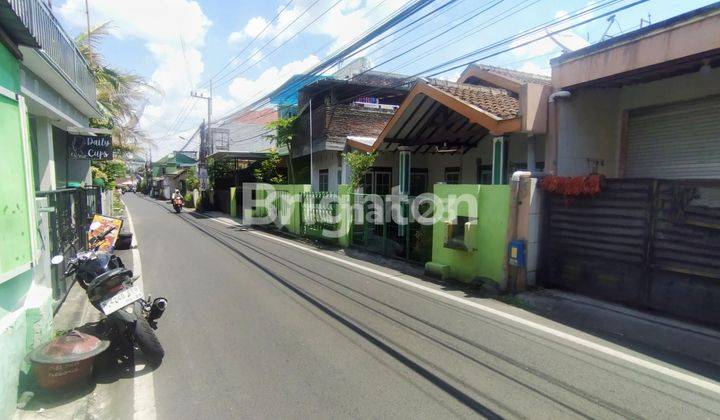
258,328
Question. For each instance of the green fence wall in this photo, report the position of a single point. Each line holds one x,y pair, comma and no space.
486,259
483,260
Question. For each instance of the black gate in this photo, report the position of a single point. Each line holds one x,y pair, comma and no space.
648,243
382,235
222,201
73,211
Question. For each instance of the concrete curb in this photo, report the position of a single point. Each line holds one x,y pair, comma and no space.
664,334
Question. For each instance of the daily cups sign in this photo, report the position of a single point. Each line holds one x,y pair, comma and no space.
90,147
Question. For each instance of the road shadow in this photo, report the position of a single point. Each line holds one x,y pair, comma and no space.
476,291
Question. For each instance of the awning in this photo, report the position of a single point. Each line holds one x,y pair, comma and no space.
223,155
439,112
360,142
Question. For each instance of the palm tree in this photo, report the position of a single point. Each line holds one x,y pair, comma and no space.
121,96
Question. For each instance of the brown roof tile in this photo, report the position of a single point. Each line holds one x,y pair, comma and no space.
519,76
495,101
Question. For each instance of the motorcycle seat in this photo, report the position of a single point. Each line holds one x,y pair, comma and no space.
102,278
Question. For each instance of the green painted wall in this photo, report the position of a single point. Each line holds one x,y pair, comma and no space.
9,70
25,308
487,259
289,213
346,212
14,228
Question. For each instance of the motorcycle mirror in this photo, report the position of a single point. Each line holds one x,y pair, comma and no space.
94,225
57,259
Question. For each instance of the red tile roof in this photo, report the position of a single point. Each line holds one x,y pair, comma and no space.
519,76
257,117
496,101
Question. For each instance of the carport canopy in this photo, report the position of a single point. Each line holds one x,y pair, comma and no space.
440,113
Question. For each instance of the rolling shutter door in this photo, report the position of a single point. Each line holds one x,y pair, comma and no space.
676,141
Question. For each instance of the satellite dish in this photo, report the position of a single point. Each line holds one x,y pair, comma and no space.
568,41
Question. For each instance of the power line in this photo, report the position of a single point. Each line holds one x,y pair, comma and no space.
543,27
269,24
235,67
405,13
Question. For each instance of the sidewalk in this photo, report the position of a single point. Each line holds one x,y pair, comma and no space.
663,337
111,396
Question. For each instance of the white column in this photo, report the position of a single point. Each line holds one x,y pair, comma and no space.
500,149
404,174
345,178
531,164
45,154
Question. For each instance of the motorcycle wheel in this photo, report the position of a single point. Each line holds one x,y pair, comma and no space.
148,342
177,209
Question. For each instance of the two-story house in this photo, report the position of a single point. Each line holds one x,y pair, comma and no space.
47,92
333,111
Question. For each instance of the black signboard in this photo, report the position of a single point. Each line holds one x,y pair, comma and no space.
90,147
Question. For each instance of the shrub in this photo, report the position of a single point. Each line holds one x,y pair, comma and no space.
189,202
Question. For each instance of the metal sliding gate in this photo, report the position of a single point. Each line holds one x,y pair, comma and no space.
648,243
378,232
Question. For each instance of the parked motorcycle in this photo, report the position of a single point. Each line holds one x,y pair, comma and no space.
178,204
130,320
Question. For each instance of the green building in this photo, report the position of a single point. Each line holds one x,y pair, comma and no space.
47,93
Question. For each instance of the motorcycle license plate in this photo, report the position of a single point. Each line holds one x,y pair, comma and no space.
121,300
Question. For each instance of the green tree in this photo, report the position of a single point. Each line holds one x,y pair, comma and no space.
284,130
191,179
359,163
269,169
121,96
109,171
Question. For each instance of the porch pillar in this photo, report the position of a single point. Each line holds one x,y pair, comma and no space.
500,154
404,170
404,178
531,164
344,171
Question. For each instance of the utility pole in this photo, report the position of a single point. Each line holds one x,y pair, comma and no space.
87,19
208,132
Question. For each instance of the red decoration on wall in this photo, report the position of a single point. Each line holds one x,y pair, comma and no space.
577,186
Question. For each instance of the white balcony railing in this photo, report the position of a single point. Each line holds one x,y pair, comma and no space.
56,45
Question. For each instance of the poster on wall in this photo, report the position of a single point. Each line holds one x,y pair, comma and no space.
103,232
90,147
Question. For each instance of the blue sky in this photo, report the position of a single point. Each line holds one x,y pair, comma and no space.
179,44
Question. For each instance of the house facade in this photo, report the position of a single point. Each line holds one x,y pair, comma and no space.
335,111
478,130
170,173
47,92
642,109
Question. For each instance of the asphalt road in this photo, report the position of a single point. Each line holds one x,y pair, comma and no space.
257,328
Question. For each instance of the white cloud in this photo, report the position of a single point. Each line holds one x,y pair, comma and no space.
244,91
541,44
255,26
159,24
235,37
530,67
342,23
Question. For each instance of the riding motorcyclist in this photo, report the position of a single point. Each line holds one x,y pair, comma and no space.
175,195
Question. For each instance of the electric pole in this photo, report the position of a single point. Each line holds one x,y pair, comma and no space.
87,19
209,116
